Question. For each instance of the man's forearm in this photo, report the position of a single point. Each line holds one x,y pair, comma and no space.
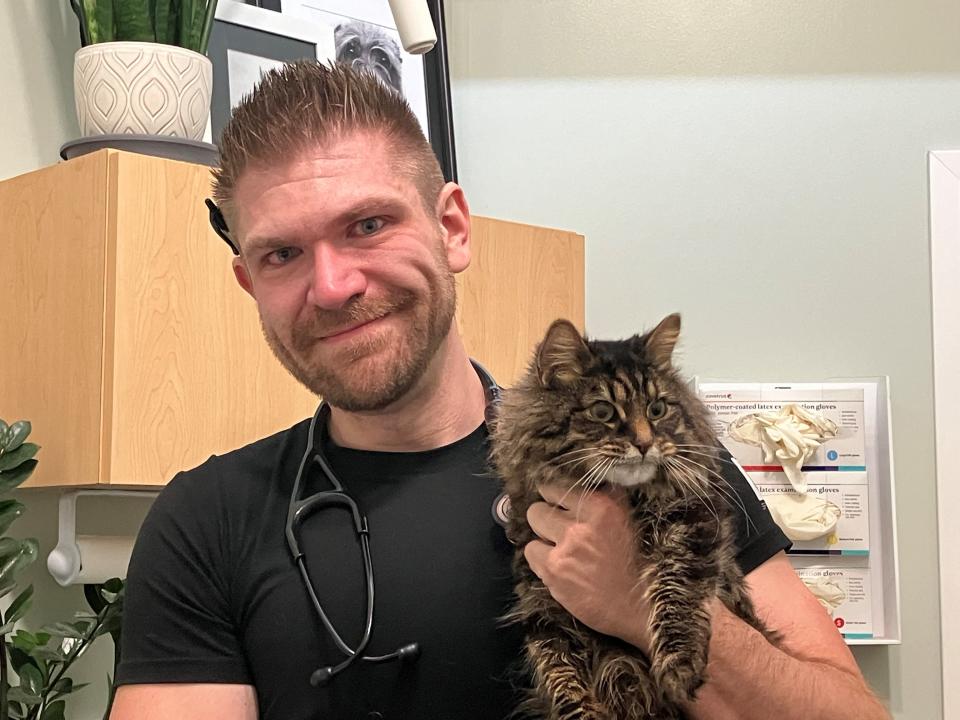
750,679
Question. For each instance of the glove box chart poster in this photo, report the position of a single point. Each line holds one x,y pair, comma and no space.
819,456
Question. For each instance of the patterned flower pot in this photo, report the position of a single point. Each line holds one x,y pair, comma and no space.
143,89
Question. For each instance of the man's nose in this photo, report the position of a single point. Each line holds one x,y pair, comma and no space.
336,277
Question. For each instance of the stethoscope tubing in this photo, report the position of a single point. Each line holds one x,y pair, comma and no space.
298,510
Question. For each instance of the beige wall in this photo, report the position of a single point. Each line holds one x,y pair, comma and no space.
759,166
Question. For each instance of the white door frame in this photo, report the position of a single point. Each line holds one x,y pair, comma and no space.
945,279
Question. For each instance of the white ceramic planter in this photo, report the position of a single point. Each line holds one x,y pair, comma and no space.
142,89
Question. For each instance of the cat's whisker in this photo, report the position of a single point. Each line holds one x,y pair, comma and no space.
688,480
688,463
575,451
704,497
729,492
594,482
577,461
583,478
712,456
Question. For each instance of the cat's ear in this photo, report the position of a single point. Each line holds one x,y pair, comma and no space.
563,355
658,344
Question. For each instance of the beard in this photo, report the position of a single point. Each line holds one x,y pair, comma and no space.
371,373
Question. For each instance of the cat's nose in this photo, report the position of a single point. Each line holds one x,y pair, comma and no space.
642,435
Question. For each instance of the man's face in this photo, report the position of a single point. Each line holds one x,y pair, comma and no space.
352,277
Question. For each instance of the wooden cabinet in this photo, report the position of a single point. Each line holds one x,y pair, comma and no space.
135,354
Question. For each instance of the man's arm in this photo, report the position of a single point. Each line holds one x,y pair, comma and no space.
184,702
812,674
581,558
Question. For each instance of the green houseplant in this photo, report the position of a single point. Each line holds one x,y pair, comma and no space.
142,67
40,659
185,23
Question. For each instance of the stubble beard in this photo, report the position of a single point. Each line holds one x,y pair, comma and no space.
371,375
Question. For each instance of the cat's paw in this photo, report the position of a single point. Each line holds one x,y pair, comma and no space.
679,676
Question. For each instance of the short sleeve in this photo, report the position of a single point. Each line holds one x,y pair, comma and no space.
177,623
758,537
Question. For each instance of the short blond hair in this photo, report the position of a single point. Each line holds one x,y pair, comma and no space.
305,104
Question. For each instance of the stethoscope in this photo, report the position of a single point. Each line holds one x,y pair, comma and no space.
299,510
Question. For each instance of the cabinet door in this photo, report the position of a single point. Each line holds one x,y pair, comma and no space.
192,374
52,236
521,279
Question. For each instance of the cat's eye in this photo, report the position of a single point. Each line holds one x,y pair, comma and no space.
656,410
601,411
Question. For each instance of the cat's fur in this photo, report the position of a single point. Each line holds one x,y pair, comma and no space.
681,516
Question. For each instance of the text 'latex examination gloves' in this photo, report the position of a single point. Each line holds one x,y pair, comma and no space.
826,590
803,517
788,437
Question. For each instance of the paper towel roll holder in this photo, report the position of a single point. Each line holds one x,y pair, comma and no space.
65,561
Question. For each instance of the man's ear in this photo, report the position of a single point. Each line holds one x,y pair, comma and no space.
562,356
242,276
453,215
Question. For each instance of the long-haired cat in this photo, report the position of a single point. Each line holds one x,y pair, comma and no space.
589,413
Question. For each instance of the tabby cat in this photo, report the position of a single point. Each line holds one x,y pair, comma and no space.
589,413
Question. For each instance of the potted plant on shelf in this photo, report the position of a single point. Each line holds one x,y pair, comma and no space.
142,67
40,659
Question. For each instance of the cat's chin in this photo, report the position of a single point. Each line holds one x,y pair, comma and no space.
633,474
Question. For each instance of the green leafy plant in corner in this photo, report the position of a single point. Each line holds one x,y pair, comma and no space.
185,23
40,659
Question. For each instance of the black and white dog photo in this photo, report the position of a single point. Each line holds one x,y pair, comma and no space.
370,47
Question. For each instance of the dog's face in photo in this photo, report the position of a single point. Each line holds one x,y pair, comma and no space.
370,47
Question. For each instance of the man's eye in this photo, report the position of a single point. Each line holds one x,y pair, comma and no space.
369,226
282,256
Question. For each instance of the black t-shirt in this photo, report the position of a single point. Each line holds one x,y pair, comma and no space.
213,595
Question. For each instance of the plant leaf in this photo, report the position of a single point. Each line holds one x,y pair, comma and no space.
66,630
31,679
16,434
11,458
18,607
10,510
12,562
112,586
64,686
49,653
54,711
133,21
9,479
18,694
18,658
23,640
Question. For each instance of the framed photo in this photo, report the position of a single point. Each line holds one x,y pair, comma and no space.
245,41
365,35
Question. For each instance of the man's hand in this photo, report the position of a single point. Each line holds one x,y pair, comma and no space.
585,557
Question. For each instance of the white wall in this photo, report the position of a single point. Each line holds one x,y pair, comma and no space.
762,169
759,166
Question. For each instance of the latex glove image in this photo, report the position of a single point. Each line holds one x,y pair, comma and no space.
803,517
788,437
827,591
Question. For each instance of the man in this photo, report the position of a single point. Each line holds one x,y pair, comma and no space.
349,240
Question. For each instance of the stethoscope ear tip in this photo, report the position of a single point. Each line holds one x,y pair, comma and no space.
409,653
321,677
